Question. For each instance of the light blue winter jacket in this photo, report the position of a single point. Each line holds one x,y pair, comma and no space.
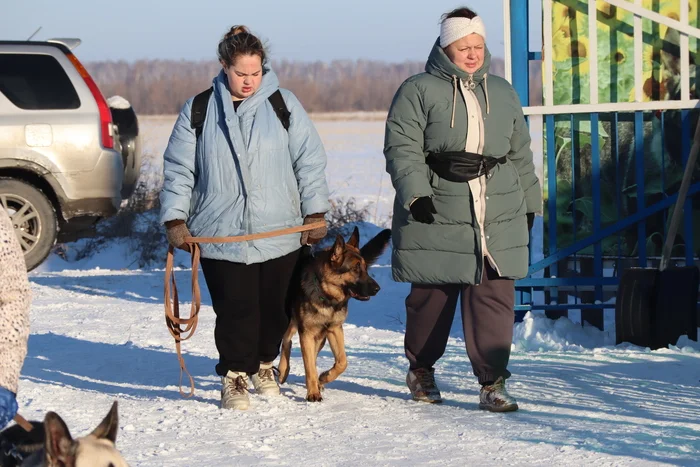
247,175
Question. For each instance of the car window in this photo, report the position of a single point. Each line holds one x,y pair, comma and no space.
36,82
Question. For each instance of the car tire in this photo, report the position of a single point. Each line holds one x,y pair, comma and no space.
38,229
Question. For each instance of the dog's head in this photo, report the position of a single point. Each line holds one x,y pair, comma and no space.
348,263
97,449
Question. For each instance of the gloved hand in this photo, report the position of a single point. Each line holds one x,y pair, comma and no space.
530,220
176,231
8,407
311,237
422,210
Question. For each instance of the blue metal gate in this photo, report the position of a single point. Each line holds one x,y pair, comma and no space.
582,273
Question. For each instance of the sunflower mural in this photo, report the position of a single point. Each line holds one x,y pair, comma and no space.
662,133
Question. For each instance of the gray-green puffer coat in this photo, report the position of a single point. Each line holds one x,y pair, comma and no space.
445,109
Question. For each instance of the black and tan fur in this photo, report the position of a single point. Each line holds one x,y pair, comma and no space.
50,444
319,304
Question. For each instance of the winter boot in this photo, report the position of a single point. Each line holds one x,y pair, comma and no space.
495,398
234,393
421,382
265,380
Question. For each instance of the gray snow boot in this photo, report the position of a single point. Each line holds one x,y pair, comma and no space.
495,398
421,382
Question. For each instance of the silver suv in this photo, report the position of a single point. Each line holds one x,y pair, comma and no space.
63,163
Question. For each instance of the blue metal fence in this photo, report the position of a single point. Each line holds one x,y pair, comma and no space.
579,273
556,254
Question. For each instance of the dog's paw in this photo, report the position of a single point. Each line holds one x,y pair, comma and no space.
323,379
314,397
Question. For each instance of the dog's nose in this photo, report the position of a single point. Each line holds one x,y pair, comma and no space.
374,288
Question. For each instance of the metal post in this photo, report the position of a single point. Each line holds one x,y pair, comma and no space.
519,49
520,60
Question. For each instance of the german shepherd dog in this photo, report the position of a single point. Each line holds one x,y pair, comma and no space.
319,304
50,444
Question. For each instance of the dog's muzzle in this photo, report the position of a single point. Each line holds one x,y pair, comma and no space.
365,290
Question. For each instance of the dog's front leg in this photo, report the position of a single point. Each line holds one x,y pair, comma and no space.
336,339
308,353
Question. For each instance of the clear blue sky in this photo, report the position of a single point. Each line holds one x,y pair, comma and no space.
388,30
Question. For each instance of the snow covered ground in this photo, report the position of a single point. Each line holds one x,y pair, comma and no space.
98,334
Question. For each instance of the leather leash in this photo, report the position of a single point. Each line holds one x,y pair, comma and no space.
21,421
172,305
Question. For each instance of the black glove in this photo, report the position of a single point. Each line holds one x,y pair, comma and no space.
530,220
422,210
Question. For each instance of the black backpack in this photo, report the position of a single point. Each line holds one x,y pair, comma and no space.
201,100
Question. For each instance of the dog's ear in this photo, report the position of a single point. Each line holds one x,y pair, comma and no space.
337,250
375,247
109,426
355,238
58,443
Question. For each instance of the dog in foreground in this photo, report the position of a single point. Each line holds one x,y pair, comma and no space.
50,444
319,304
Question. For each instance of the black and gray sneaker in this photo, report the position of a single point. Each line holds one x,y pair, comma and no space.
421,382
495,398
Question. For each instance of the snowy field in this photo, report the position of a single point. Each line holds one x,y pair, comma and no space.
355,169
98,335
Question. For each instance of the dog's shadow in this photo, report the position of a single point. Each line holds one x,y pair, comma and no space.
295,389
117,369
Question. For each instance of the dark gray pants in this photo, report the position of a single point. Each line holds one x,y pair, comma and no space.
487,317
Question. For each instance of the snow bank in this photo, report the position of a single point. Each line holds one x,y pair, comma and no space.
538,333
118,102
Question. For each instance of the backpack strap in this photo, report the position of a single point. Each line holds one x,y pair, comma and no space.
199,111
280,108
201,101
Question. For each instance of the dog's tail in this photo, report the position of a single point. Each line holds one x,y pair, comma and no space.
286,352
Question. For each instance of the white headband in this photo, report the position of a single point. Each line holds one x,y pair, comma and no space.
453,29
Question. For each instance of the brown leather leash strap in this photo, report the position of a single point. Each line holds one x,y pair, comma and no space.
21,421
172,304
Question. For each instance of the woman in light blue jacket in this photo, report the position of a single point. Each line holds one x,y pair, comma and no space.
245,173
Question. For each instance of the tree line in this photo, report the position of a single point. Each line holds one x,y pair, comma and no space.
160,87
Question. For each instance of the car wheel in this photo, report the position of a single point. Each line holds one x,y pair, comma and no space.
33,217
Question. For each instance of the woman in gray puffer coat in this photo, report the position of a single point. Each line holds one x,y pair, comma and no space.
15,297
458,151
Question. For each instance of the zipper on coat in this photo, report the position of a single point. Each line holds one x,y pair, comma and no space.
486,177
470,82
479,267
471,85
246,179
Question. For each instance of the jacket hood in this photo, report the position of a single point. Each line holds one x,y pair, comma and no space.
440,65
268,85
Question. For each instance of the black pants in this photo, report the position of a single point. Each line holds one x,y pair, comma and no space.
251,316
